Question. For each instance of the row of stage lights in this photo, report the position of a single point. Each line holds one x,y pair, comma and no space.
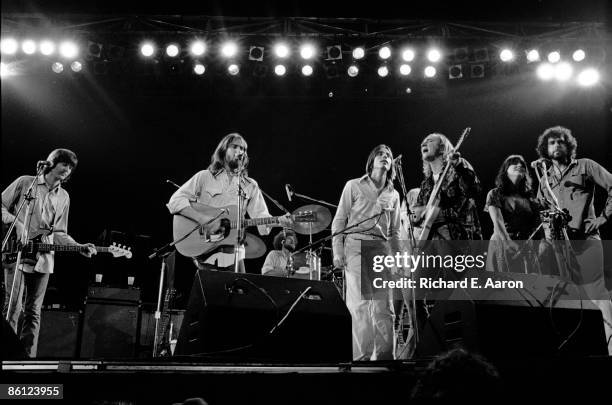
554,68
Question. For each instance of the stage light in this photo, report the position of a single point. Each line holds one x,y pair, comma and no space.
307,51
76,66
383,71
434,55
554,57
533,55
199,69
405,70
233,69
147,49
455,72
280,70
260,70
545,71
430,71
229,49
384,52
4,70
256,53
197,48
477,71
358,53
563,71
281,50
94,50
307,70
8,46
172,50
588,77
47,47
68,49
506,55
28,47
408,90
334,52
579,55
481,54
57,67
461,54
352,71
408,55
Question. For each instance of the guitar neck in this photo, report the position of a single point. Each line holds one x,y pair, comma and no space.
257,221
48,247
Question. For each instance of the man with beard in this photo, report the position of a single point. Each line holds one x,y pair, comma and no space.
217,187
278,260
572,182
369,196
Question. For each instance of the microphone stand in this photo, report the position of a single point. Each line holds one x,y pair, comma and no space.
239,216
27,199
412,308
305,197
163,253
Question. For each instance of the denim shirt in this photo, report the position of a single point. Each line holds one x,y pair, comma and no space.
575,187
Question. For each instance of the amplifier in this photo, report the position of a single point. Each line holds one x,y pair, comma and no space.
113,293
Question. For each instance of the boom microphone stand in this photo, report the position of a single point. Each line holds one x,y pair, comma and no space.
291,193
27,199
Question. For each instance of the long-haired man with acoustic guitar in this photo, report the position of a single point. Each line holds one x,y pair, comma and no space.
217,188
49,214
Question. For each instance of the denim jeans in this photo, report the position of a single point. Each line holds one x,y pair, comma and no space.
28,297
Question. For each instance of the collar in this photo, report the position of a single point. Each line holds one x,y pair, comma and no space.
42,181
365,177
573,162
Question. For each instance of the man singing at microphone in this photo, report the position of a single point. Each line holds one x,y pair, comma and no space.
572,182
361,198
49,215
217,187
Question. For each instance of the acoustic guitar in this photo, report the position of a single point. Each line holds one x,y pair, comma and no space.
199,242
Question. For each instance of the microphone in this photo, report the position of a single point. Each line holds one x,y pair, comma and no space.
173,183
535,163
44,163
289,191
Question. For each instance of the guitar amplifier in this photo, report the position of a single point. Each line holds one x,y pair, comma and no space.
104,293
59,334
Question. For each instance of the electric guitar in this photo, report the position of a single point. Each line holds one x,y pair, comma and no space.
432,210
35,245
199,243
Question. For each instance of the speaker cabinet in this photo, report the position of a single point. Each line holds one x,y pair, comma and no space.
231,315
59,332
503,329
110,329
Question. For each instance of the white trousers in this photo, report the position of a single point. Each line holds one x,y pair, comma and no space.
372,320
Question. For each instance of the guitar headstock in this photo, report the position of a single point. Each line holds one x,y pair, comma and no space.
119,250
305,216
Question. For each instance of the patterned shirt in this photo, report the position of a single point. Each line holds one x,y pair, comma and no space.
360,199
458,194
220,190
49,216
275,260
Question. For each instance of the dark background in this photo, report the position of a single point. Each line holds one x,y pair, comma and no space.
131,134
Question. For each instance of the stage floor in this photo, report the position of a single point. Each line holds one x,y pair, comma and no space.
155,382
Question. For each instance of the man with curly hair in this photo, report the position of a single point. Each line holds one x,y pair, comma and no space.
572,182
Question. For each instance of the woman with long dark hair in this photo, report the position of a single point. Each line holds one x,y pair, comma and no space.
513,210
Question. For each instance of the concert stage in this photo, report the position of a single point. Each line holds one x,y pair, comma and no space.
549,379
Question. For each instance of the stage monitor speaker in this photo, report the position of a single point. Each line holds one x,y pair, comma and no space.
499,329
59,334
110,329
230,315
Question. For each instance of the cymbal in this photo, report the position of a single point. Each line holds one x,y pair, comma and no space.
324,218
254,247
